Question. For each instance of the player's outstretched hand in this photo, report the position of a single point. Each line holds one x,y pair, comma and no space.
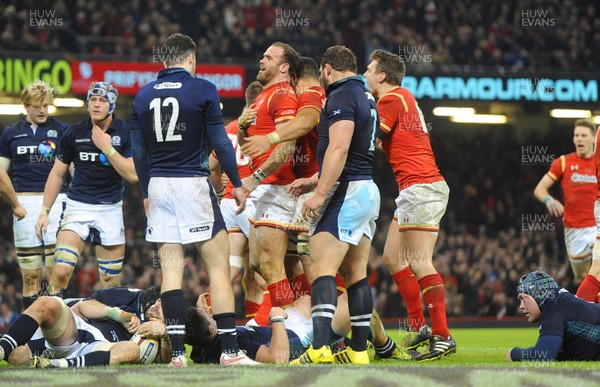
240,196
153,328
131,322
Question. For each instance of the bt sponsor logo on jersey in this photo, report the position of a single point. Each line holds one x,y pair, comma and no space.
42,153
93,156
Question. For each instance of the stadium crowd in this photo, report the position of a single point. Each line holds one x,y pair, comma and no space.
511,35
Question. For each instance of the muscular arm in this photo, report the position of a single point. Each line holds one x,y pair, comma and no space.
278,350
215,173
547,348
300,125
124,167
340,136
5,163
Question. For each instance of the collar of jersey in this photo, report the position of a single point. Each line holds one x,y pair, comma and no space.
173,70
337,84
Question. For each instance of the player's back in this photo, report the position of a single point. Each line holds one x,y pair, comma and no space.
174,112
581,340
305,157
349,100
405,139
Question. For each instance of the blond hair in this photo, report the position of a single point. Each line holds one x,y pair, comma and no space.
36,92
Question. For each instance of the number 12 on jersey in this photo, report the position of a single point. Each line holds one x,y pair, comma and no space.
158,130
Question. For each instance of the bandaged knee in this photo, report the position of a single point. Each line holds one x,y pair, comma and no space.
49,255
29,258
61,324
110,267
66,255
302,245
236,261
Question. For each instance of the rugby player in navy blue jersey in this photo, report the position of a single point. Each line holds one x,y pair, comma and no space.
175,123
100,150
94,331
30,146
343,207
569,326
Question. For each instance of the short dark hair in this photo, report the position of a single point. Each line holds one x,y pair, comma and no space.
196,329
252,91
290,56
587,123
149,297
390,64
177,48
308,68
341,58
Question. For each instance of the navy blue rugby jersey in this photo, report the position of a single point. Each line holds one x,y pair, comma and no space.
173,113
95,180
31,154
348,99
575,320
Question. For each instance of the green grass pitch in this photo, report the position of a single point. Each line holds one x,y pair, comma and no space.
479,361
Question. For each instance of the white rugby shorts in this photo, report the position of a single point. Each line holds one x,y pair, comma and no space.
182,210
24,230
99,224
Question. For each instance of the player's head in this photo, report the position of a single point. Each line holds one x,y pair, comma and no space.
539,285
179,51
384,68
280,62
308,68
252,91
337,58
101,100
584,136
149,297
200,328
36,98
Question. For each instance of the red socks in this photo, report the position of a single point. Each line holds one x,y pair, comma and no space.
589,288
262,316
411,295
251,309
281,293
340,285
434,294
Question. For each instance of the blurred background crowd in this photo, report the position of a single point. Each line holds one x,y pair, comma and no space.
504,34
486,242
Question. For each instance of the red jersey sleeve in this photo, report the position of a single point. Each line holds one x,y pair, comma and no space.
388,113
557,168
282,105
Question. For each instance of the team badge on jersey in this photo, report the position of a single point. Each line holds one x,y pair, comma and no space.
116,140
52,133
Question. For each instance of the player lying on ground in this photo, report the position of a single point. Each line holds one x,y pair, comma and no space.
96,335
569,326
288,336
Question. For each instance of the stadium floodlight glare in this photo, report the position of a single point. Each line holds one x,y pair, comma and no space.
15,109
570,113
444,111
68,102
479,119
597,120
